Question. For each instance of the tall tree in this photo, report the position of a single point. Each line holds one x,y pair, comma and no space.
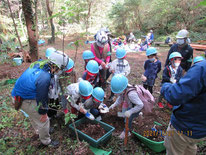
31,28
50,12
17,34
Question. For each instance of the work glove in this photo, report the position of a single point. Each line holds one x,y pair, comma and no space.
144,78
103,108
173,80
89,116
112,106
127,114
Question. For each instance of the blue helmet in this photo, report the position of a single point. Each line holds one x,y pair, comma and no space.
120,53
198,59
85,88
92,67
98,93
49,51
118,83
175,55
87,55
151,51
70,65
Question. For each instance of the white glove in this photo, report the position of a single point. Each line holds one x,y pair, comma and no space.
112,106
144,78
127,114
173,80
103,108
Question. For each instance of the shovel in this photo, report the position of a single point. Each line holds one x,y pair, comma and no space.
126,131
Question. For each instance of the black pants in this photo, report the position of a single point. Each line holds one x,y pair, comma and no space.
54,104
148,88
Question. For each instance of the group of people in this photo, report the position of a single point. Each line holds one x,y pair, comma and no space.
41,84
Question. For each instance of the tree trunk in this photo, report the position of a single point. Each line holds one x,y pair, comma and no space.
36,20
51,22
28,14
22,26
88,15
17,34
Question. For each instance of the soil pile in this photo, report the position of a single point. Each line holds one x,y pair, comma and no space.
93,130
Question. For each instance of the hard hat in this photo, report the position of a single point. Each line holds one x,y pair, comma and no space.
198,59
98,93
92,66
49,51
87,55
151,51
175,55
182,34
69,66
120,53
151,31
101,38
118,83
59,59
85,88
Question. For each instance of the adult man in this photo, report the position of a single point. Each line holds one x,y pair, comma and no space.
183,48
32,89
188,123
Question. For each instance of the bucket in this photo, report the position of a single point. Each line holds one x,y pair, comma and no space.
18,61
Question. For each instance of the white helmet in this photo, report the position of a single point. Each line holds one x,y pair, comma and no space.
182,34
151,31
101,38
59,59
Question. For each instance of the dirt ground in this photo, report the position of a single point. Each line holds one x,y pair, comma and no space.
136,61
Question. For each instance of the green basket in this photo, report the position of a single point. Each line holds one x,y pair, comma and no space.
95,143
155,146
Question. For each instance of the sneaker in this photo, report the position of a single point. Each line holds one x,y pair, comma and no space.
99,118
160,105
53,143
169,106
122,135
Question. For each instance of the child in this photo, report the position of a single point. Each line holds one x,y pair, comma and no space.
129,98
91,73
79,93
172,73
119,66
198,59
87,55
54,88
152,67
95,103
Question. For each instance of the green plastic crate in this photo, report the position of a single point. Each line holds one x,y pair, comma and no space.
95,143
155,146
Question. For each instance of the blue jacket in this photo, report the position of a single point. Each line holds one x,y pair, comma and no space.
188,97
167,74
34,84
186,52
151,69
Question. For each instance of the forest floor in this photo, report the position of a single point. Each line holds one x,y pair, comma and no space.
17,134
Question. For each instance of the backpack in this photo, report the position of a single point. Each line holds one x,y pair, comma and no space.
145,96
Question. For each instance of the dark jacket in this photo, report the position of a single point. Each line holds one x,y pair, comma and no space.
34,84
167,74
151,71
187,54
188,97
